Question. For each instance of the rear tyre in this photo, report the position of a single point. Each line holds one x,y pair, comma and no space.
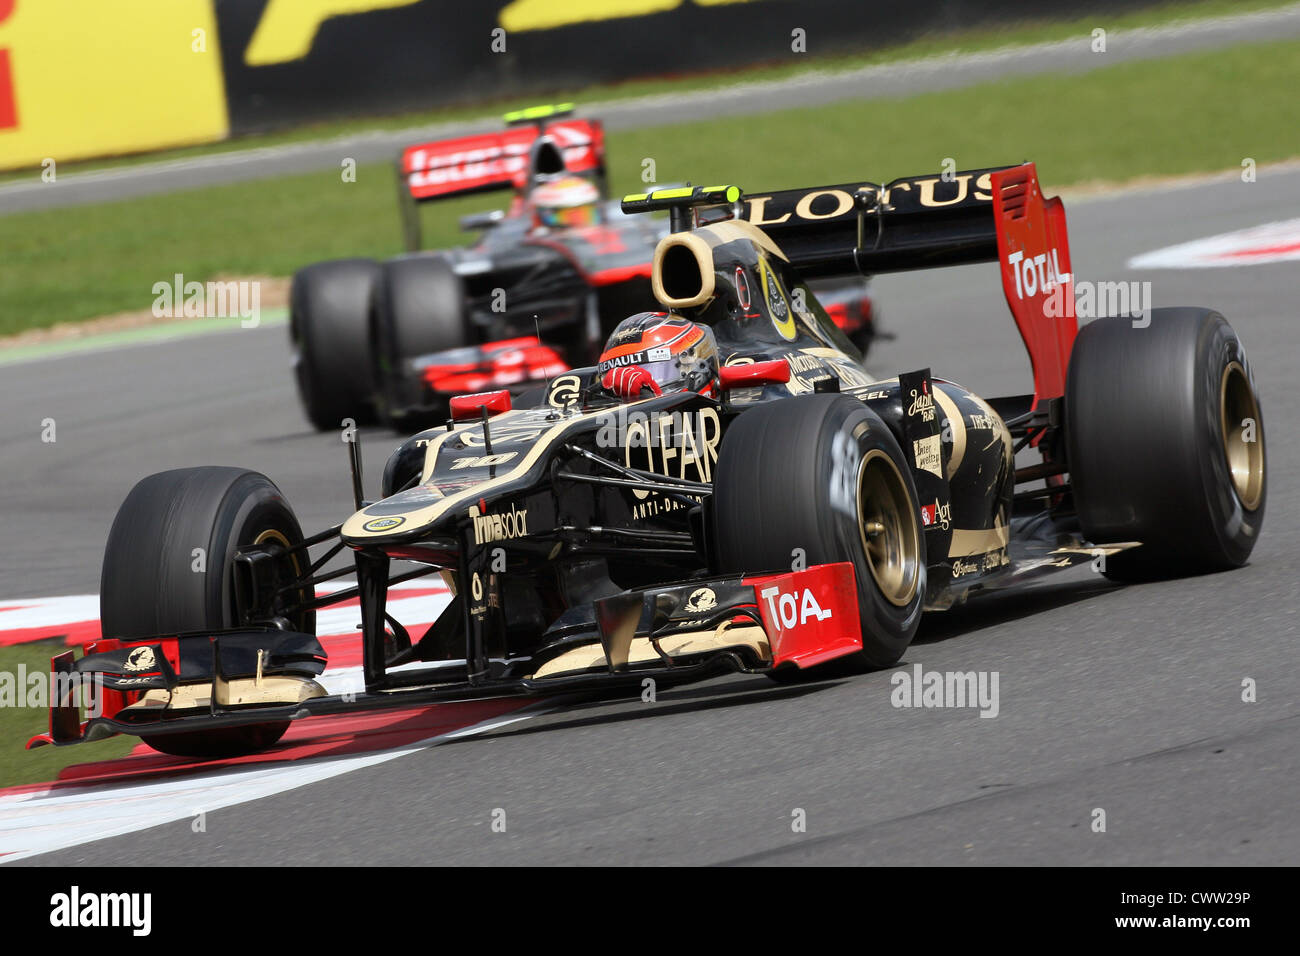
328,306
816,473
149,584
1166,443
418,308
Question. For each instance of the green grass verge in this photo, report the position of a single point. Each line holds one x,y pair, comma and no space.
935,42
19,724
1193,113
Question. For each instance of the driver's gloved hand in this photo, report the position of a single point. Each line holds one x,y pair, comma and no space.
629,381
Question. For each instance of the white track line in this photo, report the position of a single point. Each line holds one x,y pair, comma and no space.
40,822
417,613
1270,242
55,612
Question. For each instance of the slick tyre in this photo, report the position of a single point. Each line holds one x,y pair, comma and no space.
418,308
823,475
168,567
1166,443
328,307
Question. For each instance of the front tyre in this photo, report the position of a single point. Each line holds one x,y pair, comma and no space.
168,568
823,475
1166,443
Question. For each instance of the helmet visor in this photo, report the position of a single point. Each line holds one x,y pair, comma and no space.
568,217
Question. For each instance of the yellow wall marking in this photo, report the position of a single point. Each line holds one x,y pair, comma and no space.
288,27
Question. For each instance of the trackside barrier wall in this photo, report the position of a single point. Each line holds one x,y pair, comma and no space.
83,78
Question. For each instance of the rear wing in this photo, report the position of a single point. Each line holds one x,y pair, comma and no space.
912,223
505,160
922,222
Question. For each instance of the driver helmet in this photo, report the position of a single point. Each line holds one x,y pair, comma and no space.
566,202
656,352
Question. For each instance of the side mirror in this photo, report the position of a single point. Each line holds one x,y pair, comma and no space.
478,221
773,372
465,408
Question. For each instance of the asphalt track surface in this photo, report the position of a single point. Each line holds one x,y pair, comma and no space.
1126,699
886,81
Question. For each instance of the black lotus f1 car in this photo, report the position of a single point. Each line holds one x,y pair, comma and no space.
525,301
798,524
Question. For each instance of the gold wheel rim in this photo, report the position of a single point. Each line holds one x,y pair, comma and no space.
271,534
1237,410
887,527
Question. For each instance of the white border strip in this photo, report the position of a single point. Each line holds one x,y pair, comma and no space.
43,821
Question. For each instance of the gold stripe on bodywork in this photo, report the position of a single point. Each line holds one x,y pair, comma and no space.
1001,430
820,351
278,689
966,543
431,455
354,527
720,233
949,405
683,644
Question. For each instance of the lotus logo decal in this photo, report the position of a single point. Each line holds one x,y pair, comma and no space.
383,524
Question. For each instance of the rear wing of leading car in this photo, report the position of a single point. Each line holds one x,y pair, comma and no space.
922,222
537,140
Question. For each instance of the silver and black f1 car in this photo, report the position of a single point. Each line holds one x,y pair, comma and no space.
532,297
795,517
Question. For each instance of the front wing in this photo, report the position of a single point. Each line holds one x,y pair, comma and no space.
672,634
